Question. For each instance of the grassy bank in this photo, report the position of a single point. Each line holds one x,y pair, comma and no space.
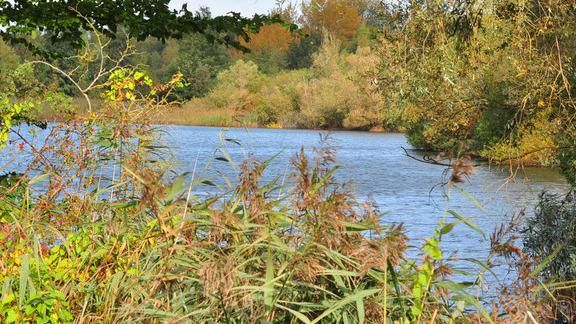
191,114
187,114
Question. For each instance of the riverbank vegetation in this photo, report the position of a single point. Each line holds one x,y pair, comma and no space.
98,230
99,227
493,79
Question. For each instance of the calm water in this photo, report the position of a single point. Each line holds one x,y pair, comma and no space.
375,167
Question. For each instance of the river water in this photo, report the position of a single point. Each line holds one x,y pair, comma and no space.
374,166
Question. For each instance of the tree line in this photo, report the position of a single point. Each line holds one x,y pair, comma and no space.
490,78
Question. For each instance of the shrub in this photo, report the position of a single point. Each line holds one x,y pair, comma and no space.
499,82
551,232
550,240
279,101
324,102
237,87
367,104
343,94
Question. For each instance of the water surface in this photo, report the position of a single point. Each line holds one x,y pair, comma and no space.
376,167
373,165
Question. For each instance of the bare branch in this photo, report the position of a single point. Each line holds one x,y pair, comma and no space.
69,78
426,159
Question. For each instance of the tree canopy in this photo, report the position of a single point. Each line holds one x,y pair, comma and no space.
66,21
339,18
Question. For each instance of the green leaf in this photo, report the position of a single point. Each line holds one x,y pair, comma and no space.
208,183
24,276
361,311
345,301
41,309
233,141
472,199
269,284
468,222
177,187
38,178
11,316
483,265
432,248
461,294
448,228
28,309
123,205
298,315
138,75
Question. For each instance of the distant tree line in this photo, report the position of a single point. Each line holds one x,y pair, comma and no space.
492,78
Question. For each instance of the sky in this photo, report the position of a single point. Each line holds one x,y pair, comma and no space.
221,7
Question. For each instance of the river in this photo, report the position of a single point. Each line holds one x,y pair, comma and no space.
376,167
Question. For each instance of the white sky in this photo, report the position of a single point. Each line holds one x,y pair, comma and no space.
221,7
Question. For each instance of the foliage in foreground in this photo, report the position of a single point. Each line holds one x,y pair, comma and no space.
550,238
310,254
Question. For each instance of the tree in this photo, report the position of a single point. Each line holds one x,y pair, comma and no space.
269,47
66,20
340,18
301,52
8,64
496,80
198,60
150,56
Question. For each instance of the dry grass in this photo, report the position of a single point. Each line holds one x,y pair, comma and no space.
191,113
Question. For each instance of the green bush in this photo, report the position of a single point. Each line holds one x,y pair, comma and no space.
279,102
237,87
551,232
343,93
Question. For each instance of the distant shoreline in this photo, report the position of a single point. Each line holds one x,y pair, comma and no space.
373,130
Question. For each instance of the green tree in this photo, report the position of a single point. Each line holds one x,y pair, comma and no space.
198,60
8,64
496,79
301,51
142,19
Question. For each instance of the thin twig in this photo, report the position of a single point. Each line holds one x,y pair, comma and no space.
426,159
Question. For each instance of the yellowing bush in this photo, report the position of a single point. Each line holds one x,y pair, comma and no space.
345,94
340,90
237,87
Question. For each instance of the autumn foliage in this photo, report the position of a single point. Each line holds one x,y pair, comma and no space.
273,37
339,18
268,48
